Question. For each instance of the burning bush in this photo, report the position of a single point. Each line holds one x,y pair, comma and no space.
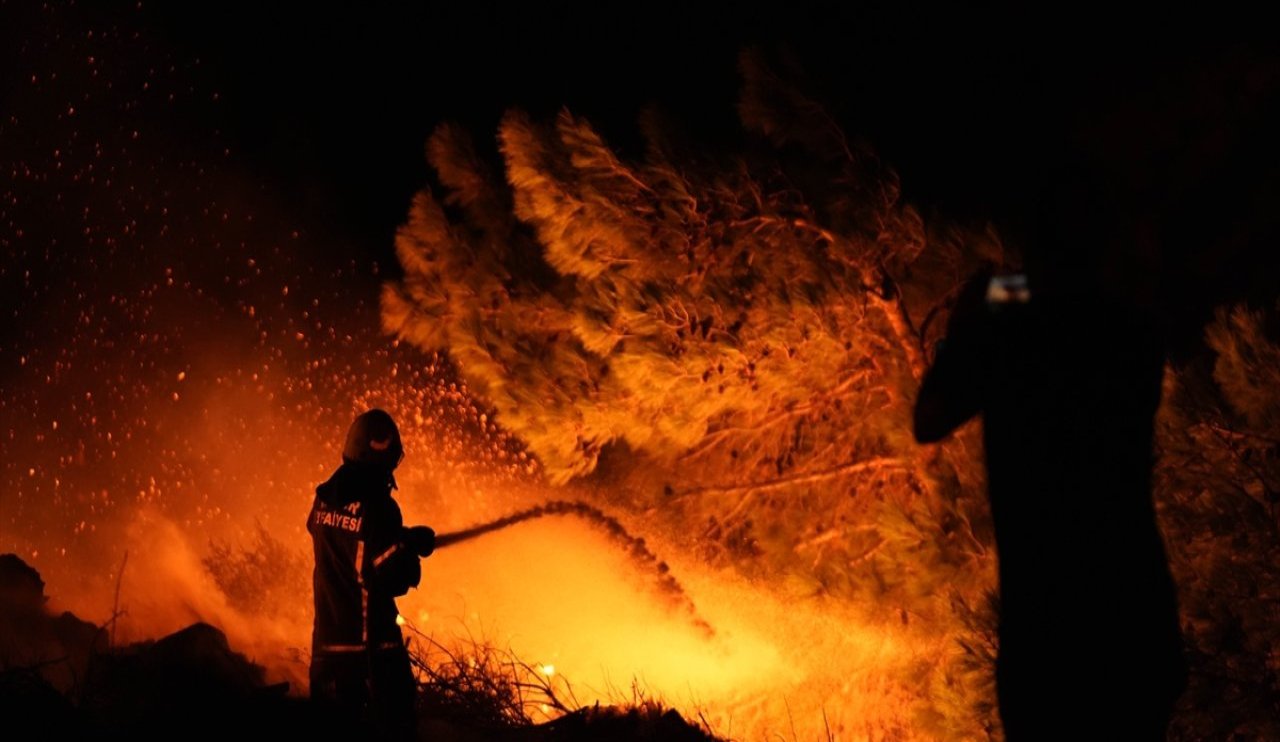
480,686
480,690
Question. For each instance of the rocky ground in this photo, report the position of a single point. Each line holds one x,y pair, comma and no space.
61,678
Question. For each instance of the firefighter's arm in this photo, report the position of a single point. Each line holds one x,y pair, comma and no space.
392,565
951,392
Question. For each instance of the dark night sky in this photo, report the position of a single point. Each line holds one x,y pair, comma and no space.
329,105
340,99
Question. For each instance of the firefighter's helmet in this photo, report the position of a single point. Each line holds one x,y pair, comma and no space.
374,439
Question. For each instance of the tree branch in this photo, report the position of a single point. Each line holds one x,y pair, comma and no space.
880,463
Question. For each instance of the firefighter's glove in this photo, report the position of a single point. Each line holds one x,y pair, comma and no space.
421,539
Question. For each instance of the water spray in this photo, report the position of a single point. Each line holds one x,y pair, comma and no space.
667,585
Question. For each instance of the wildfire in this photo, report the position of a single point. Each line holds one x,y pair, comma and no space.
710,355
207,489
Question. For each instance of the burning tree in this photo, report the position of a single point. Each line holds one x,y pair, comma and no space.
739,337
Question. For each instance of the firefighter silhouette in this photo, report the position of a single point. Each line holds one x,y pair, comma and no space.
1065,365
364,559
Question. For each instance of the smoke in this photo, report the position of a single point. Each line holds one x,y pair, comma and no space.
166,587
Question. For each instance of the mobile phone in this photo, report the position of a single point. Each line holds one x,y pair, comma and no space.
1008,289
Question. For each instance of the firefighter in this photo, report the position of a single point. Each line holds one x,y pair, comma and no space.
1067,381
364,559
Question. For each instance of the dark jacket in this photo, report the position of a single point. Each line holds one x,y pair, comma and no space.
361,561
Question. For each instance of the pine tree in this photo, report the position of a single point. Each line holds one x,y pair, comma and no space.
741,336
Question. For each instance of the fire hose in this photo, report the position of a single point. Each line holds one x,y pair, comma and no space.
667,586
557,507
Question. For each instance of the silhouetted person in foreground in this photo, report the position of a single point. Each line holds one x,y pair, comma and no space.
1065,370
364,559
